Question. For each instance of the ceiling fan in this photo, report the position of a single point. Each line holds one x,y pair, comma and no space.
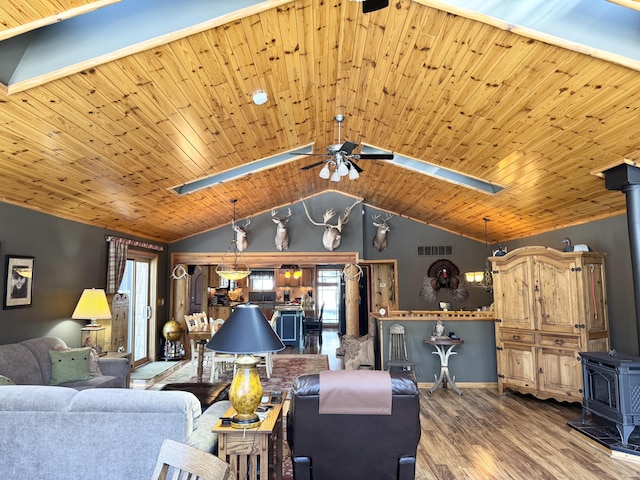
341,156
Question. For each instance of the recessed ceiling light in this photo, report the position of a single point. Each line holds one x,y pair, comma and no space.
260,98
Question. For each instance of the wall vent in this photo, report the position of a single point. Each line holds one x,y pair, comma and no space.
434,250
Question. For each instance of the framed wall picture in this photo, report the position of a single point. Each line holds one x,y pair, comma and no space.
18,284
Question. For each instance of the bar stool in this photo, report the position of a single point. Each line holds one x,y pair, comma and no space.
313,324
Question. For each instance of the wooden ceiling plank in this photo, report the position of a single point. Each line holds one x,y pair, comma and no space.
181,125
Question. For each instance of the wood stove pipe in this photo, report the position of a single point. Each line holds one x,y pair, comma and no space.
626,178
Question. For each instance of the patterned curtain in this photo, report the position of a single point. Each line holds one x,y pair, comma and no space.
115,265
117,261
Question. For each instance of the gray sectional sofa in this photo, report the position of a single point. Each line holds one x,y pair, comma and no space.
95,429
29,363
60,433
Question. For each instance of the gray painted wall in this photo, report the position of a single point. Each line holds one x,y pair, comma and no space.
303,236
69,257
475,360
357,236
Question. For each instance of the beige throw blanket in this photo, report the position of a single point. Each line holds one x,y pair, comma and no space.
356,392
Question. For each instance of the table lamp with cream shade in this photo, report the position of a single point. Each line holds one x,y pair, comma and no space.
92,306
245,332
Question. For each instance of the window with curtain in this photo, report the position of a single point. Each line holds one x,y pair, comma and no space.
262,280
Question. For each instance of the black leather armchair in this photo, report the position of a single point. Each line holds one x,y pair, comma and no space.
351,446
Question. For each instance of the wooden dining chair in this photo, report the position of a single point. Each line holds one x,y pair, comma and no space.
194,322
219,360
313,324
177,461
266,359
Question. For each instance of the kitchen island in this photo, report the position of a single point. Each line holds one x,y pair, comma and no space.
289,324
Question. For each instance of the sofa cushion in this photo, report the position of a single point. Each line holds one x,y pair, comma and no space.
69,366
203,438
18,363
6,380
35,398
97,381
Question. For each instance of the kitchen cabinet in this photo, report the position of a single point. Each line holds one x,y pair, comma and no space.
280,279
549,306
305,280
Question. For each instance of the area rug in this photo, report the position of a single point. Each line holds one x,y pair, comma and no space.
151,370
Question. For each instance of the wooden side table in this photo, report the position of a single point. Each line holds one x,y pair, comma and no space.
253,453
440,343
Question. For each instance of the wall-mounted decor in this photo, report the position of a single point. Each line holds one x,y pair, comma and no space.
443,274
18,285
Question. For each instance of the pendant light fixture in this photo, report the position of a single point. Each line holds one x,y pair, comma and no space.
233,271
483,279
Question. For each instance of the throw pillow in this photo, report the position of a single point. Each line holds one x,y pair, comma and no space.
69,366
5,381
94,368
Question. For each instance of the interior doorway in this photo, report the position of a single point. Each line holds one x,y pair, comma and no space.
139,282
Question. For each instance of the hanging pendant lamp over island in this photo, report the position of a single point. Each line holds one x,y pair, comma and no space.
233,271
483,279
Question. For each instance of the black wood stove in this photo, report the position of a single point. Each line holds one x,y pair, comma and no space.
612,389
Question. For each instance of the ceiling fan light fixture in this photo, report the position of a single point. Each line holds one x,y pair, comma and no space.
353,173
325,172
343,170
335,177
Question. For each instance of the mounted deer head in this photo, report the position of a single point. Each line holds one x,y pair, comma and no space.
380,239
332,233
241,234
282,236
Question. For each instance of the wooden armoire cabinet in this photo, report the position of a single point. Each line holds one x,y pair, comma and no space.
549,306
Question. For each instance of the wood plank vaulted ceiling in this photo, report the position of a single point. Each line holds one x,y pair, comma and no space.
105,145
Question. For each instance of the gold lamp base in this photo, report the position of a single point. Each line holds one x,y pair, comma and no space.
245,393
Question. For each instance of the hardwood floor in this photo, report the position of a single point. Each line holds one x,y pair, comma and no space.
482,435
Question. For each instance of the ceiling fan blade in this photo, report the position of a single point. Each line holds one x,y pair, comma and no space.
312,165
356,166
305,153
373,5
374,156
347,147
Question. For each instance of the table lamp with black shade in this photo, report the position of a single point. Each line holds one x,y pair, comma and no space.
245,332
